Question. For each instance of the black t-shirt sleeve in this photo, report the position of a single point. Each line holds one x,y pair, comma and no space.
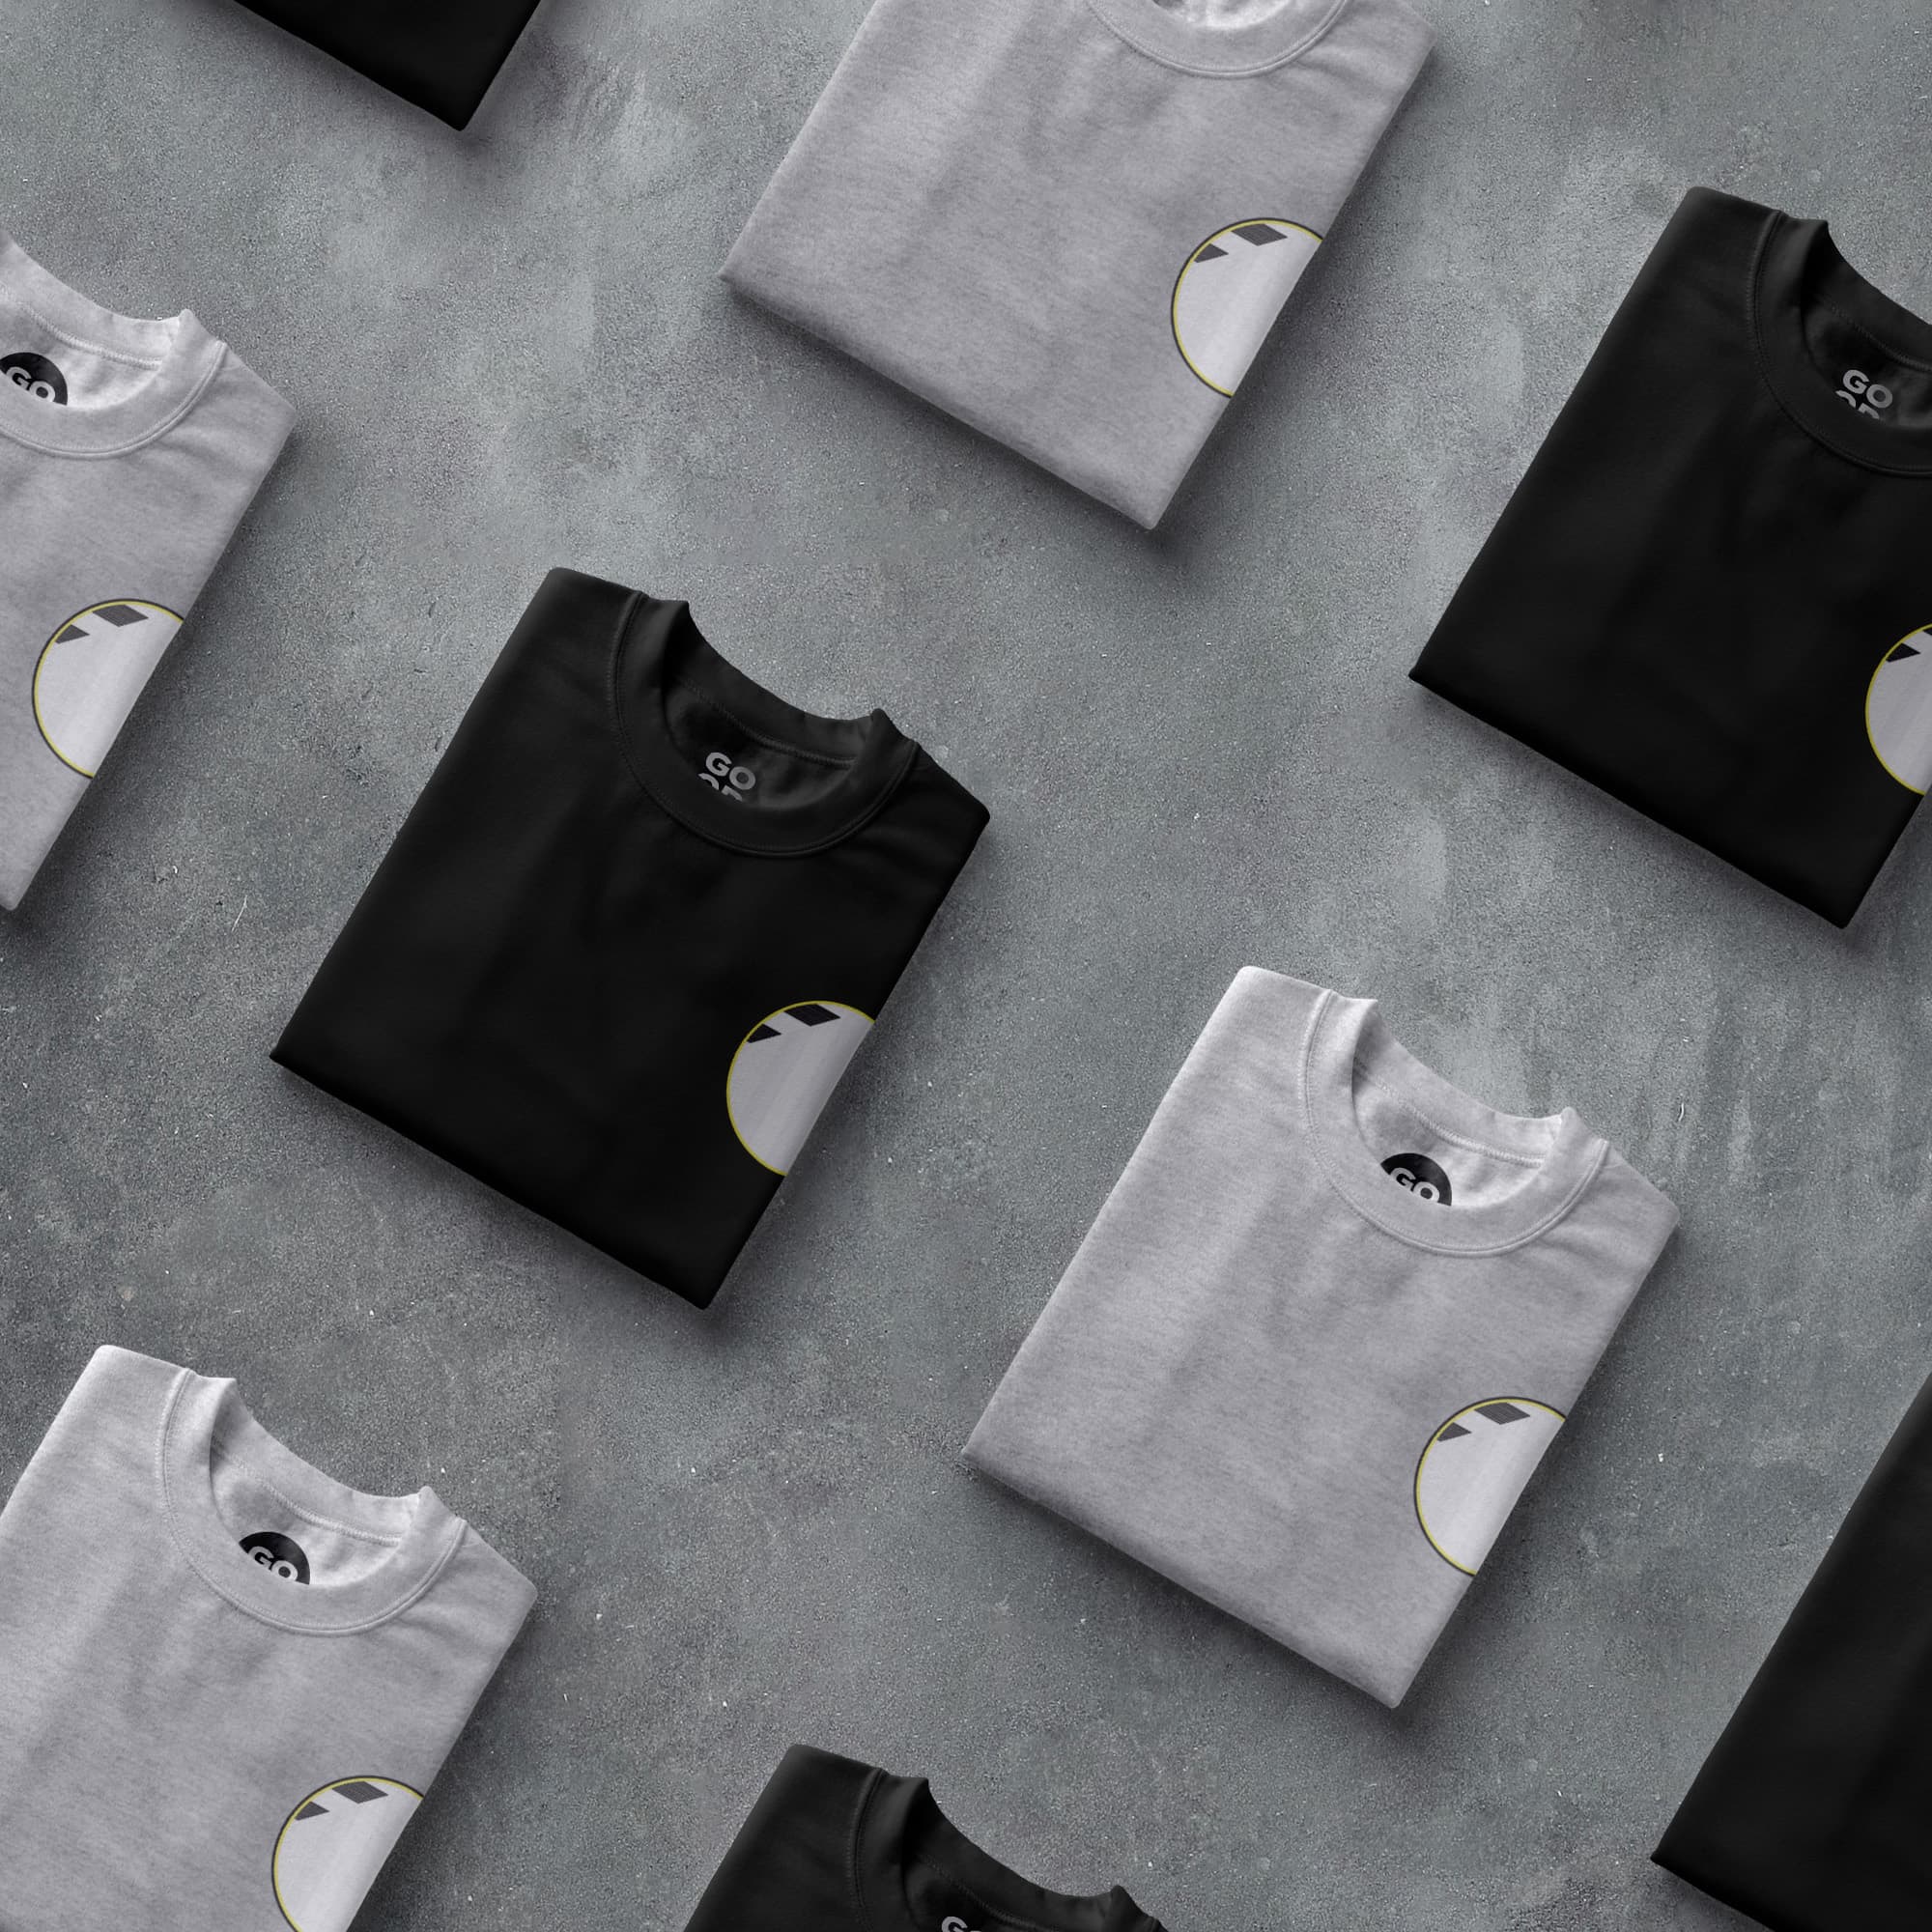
1810,1812
789,1868
439,54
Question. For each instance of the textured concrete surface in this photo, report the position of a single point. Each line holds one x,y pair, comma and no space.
508,350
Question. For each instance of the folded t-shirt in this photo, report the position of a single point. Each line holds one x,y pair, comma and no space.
633,932
1323,1330
1709,594
1072,225
838,1846
1810,1812
129,451
228,1679
439,54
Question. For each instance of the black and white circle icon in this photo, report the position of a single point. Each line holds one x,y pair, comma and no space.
1229,292
783,1072
334,1844
91,672
281,1554
1472,1471
1899,710
28,370
1424,1178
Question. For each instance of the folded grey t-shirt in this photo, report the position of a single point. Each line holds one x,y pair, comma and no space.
129,451
1323,1330
226,1681
1072,222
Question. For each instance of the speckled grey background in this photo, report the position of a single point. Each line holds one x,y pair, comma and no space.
507,350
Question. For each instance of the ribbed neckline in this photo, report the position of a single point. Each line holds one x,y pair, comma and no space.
1347,1041
179,352
205,1418
658,644
898,1819
1167,35
1797,266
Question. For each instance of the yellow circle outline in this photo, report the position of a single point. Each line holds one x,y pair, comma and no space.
1482,1401
40,723
1174,301
358,1777
843,1006
1916,790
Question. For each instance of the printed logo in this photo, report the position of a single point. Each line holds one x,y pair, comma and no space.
1472,1471
725,778
1229,292
91,672
333,1845
282,1554
35,373
1899,710
783,1072
1421,1175
1868,398
955,1925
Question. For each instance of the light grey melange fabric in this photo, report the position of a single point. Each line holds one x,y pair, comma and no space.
1072,222
225,1679
129,452
1326,1324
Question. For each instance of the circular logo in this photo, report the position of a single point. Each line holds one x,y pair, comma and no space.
783,1072
91,672
1421,1176
28,370
282,1554
1899,710
334,1844
1473,1469
1229,292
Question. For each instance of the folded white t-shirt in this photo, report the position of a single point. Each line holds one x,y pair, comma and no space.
227,1680
1071,223
129,452
1323,1330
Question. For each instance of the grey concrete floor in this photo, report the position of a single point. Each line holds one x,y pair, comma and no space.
508,350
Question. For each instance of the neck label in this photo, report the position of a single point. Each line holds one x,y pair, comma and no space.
1424,1178
35,374
1868,398
280,1554
728,780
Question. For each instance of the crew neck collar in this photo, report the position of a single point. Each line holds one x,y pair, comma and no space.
1347,1041
1171,37
179,352
658,644
206,1418
899,1819
1799,266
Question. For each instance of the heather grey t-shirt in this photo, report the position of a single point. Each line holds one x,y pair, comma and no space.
1323,1330
1072,222
129,451
226,1681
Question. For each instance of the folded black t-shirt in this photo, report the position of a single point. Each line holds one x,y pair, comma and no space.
628,939
440,54
1710,593
1812,1812
837,1846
